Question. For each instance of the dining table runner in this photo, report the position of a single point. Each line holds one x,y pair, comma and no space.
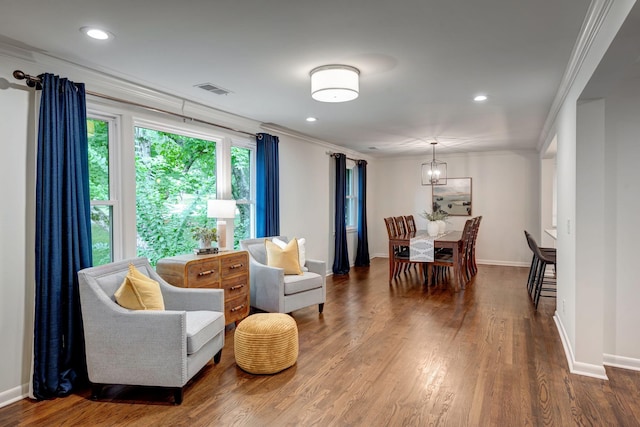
421,248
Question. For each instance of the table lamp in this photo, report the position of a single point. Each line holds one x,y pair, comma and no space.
221,209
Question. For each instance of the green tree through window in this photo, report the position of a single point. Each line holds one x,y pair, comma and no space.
175,176
101,206
241,193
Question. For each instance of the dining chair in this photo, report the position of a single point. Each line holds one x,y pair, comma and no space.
400,253
400,224
443,260
476,228
411,223
401,228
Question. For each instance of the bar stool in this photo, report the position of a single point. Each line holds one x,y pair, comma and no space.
537,282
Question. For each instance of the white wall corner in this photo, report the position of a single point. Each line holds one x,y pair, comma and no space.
13,395
621,362
578,368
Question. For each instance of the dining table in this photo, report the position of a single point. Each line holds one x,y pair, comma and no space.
450,239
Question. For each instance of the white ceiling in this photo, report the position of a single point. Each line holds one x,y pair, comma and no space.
421,62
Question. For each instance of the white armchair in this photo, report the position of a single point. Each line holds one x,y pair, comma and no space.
273,291
143,347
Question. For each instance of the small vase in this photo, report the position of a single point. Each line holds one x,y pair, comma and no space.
442,226
205,243
432,228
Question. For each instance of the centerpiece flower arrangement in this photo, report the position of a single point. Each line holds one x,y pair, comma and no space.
436,224
205,235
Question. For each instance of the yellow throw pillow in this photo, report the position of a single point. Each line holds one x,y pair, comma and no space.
139,292
286,258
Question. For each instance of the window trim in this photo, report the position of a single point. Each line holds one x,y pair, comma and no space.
122,163
114,124
352,198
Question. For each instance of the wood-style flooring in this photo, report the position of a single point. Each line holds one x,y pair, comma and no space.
381,355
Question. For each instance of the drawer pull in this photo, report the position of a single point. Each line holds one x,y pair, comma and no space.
240,307
233,288
206,272
236,266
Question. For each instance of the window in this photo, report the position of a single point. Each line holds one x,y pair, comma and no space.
351,205
151,177
100,133
175,176
241,191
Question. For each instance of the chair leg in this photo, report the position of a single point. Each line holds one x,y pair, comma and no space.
96,391
320,307
543,269
534,278
178,393
530,278
217,357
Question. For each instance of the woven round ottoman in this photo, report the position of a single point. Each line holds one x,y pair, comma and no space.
266,343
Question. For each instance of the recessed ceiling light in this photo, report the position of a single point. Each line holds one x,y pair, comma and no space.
96,33
480,98
311,119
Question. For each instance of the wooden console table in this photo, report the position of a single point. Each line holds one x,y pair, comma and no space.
224,270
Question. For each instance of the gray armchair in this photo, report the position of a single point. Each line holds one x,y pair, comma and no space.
273,291
148,348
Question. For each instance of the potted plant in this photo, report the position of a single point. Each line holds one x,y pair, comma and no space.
433,227
441,217
205,235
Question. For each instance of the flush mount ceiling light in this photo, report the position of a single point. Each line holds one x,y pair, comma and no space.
311,119
334,83
96,33
480,98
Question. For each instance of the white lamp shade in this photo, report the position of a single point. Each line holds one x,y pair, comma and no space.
334,83
221,208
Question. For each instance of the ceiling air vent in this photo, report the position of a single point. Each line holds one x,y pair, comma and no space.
213,88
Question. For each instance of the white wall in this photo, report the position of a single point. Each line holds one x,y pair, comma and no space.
505,189
17,166
579,299
622,285
306,196
590,234
547,201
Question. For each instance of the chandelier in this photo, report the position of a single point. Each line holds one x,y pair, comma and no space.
434,172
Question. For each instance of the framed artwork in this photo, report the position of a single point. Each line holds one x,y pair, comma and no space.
453,198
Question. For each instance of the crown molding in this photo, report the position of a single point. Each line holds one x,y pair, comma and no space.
101,82
272,127
598,11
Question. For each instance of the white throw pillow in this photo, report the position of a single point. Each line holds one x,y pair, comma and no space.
302,256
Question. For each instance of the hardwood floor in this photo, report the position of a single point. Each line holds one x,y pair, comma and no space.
384,355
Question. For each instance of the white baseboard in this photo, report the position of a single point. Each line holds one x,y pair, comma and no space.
13,395
503,263
622,362
478,261
578,368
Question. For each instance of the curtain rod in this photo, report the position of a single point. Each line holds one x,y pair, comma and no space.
36,82
329,153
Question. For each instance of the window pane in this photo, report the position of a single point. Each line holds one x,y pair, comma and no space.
98,137
349,181
242,224
101,215
101,221
241,173
241,190
175,176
